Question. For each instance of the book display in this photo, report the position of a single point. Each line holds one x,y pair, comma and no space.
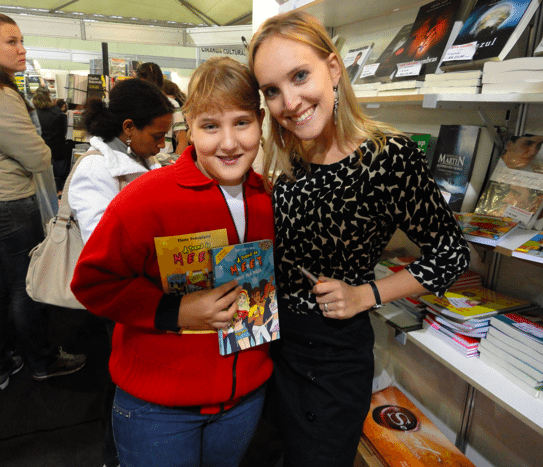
491,30
425,41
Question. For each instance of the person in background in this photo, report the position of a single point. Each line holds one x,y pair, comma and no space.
22,153
178,401
61,104
152,73
520,153
125,136
345,184
180,142
53,131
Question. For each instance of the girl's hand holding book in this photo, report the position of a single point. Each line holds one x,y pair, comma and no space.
212,308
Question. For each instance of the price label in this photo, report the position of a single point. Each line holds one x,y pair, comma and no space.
461,52
369,70
408,69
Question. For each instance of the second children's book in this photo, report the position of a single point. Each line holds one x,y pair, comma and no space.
256,321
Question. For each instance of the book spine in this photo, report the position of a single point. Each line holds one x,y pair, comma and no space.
517,334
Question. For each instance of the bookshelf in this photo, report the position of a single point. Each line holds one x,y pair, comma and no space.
522,113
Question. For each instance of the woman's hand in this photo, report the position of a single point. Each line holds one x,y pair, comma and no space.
339,300
213,308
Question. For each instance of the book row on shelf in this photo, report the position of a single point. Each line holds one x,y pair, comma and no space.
506,333
447,50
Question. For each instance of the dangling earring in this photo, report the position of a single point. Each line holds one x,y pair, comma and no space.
336,103
281,129
128,141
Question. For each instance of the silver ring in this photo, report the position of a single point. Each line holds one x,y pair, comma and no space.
326,307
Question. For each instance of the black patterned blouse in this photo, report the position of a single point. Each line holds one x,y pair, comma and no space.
338,219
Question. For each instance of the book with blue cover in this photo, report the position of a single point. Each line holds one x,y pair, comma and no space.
256,321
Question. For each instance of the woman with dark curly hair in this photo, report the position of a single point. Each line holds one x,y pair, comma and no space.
126,136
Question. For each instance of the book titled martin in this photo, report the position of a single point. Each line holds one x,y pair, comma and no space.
453,163
489,33
257,320
473,302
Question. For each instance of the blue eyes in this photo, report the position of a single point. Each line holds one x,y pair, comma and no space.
300,76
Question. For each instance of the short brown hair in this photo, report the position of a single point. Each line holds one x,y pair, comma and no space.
221,81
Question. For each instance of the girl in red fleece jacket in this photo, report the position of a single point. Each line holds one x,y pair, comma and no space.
178,401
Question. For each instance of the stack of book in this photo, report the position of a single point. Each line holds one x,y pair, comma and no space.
513,346
518,75
366,89
460,82
407,87
461,318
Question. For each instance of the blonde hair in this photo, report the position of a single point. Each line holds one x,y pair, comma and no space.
353,126
221,82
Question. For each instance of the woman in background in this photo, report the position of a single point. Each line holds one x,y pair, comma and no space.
53,131
22,153
346,184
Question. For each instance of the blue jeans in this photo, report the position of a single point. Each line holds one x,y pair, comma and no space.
23,322
150,435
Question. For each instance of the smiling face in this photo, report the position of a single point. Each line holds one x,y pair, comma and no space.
226,143
12,52
150,139
298,88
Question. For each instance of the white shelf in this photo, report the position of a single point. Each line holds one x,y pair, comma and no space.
485,379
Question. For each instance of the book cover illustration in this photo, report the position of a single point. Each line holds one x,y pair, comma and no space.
355,59
515,188
472,302
388,59
531,249
488,230
404,436
495,26
453,161
257,320
427,39
96,86
184,261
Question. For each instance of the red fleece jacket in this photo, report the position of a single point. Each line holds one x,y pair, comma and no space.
117,276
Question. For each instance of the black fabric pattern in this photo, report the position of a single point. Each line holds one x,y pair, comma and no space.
337,219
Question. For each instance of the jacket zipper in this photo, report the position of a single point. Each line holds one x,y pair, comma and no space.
235,362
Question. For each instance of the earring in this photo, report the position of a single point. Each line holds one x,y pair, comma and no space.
336,103
281,129
128,141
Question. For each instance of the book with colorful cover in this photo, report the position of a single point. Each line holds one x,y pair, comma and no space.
467,345
184,261
404,436
493,27
471,328
488,230
257,320
473,302
519,326
389,57
532,249
427,39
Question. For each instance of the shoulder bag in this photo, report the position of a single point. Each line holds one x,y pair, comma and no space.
52,262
